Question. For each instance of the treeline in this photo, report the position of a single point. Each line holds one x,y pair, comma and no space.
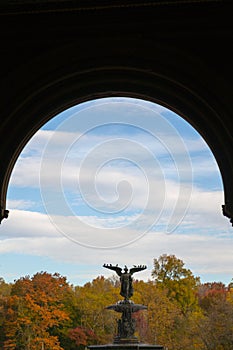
46,312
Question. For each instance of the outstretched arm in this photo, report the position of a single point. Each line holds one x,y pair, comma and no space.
114,268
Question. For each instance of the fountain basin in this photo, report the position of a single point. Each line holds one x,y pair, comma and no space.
136,346
124,305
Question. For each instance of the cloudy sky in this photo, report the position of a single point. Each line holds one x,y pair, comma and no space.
115,180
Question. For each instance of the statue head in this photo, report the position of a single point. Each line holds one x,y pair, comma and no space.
126,269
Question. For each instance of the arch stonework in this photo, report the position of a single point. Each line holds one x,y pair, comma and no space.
54,57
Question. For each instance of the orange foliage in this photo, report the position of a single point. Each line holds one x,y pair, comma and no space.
34,307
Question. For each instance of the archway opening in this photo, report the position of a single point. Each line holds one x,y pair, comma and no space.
116,177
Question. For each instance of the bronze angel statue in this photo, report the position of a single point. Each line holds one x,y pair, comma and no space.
125,278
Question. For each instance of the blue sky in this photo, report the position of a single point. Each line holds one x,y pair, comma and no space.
115,180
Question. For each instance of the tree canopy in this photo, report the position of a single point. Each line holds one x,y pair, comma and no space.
46,312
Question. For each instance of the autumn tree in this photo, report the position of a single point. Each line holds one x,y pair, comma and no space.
216,327
80,337
93,298
72,307
44,311
34,308
161,315
211,292
181,285
5,290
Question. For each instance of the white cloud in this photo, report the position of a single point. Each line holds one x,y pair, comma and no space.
203,254
20,204
26,173
204,207
68,154
29,224
203,216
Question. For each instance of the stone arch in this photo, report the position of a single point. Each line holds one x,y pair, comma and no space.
118,61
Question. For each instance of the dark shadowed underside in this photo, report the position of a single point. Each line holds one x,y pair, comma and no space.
55,54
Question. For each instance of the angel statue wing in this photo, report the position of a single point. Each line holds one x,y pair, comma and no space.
137,268
115,268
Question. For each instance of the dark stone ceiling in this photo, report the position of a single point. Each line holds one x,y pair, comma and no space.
55,54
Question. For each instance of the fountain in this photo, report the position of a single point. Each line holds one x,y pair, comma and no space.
125,338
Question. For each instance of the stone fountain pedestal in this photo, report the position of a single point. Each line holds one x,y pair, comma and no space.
125,338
